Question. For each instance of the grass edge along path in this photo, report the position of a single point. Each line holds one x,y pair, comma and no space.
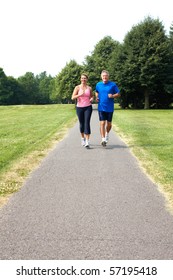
149,163
15,177
12,179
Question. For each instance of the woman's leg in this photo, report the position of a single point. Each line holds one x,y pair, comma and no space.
87,118
80,114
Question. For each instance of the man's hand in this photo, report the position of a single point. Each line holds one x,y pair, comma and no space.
110,95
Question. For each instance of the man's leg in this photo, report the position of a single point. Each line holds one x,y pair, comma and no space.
102,119
102,132
102,128
108,126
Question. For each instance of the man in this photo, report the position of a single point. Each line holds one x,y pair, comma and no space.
105,93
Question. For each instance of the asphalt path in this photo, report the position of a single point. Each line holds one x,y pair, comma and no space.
87,204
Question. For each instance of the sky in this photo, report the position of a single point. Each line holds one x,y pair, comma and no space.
44,35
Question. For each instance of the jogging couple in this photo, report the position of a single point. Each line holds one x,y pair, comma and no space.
105,92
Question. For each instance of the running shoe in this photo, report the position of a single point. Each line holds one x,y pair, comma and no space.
106,137
103,143
87,144
83,142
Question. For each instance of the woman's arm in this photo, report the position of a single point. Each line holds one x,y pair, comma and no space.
91,95
97,96
75,93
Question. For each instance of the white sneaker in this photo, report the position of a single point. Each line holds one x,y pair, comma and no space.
106,137
83,141
103,142
87,144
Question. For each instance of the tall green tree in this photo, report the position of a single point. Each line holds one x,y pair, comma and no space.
119,74
45,87
171,31
169,79
89,67
30,89
146,58
65,82
100,59
10,90
6,92
16,91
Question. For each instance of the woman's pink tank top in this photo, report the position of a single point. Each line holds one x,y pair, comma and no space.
84,99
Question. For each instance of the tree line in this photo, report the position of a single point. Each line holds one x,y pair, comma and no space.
142,66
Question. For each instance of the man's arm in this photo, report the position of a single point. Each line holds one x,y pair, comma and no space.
115,95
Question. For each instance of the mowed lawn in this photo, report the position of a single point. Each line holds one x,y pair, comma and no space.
28,132
149,133
25,133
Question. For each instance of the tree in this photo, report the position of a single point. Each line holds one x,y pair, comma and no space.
16,91
169,79
30,89
171,31
45,88
5,92
146,57
100,59
89,67
65,82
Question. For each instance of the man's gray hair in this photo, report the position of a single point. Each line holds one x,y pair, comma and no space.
105,71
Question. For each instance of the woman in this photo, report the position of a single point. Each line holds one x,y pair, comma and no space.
84,95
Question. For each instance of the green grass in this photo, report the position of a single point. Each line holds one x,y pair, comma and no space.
26,131
149,133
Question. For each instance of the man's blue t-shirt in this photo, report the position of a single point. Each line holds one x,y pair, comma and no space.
106,104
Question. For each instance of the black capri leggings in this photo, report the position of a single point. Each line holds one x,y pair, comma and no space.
84,116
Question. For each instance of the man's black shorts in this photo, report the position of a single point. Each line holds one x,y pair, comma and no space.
105,116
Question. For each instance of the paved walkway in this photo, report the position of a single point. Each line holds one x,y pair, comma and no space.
87,204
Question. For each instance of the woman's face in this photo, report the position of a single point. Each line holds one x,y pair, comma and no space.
83,79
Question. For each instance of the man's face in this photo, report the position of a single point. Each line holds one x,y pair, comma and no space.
105,77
